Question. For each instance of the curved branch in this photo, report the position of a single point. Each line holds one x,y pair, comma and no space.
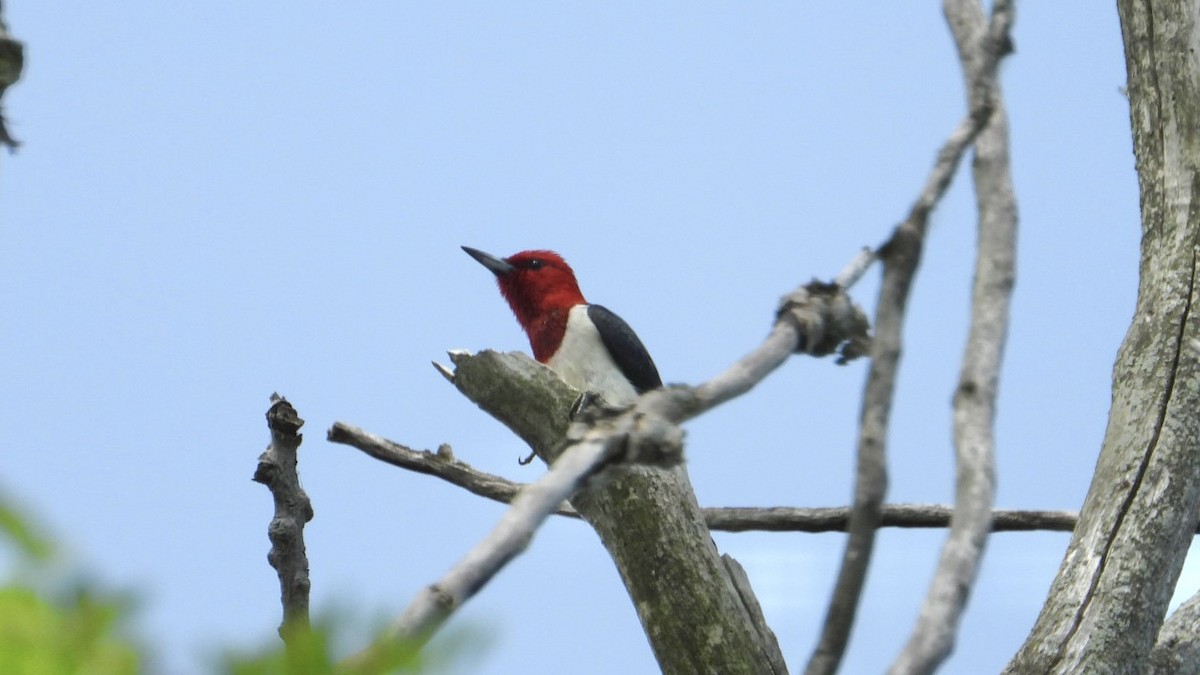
980,46
1105,607
901,257
441,464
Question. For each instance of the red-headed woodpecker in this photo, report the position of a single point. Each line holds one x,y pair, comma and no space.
589,347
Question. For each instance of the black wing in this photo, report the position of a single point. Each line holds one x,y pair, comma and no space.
626,349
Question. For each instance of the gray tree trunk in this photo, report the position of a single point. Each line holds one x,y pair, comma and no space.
1107,603
695,605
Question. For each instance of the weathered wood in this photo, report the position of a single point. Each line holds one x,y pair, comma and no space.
648,520
1107,603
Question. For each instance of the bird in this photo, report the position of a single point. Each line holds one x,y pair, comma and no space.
588,346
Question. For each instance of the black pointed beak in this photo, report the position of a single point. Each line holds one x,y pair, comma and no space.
498,266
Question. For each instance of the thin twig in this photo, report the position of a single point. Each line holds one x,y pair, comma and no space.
443,465
907,516
980,48
277,470
816,318
858,266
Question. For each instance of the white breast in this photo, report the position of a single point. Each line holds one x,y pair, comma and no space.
583,362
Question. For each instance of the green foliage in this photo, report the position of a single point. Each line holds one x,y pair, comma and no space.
38,635
44,631
51,624
309,652
29,544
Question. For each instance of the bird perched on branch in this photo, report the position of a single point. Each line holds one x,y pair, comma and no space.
589,347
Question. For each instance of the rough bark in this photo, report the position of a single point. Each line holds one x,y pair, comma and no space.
1107,603
648,519
277,470
1177,651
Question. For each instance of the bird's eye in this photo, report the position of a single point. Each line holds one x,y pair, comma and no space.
536,264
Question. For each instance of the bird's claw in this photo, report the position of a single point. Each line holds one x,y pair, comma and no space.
587,408
582,402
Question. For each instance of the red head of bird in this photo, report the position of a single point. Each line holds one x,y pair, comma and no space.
541,289
591,348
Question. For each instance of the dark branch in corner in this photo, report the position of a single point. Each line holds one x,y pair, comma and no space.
277,470
12,61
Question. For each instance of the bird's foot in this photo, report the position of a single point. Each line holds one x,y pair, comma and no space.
587,407
584,401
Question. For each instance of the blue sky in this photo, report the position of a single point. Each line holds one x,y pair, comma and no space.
220,200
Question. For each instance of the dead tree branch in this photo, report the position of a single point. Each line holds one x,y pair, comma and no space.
442,464
837,519
702,614
277,470
981,44
512,535
699,615
901,256
646,516
1105,608
648,520
1177,650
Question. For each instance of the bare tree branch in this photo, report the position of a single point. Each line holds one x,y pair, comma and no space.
901,256
837,518
433,605
700,615
816,318
980,48
857,267
694,613
1105,608
277,470
1177,651
442,464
